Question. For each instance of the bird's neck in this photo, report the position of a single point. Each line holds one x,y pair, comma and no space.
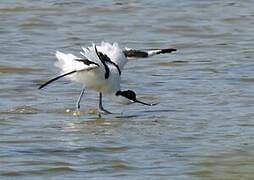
117,98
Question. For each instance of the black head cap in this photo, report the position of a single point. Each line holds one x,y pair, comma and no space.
131,95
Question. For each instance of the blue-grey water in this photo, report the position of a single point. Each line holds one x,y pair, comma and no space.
202,128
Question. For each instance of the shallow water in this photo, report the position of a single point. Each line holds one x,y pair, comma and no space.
201,129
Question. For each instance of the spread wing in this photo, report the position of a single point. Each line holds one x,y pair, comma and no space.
109,52
132,53
70,64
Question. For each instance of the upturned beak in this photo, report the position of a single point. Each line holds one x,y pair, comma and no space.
153,104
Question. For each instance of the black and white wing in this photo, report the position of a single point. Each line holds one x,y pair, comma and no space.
132,53
69,64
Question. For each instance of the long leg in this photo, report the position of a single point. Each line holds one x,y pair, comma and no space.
101,107
79,99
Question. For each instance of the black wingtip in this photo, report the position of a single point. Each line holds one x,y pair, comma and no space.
135,53
169,50
54,79
44,84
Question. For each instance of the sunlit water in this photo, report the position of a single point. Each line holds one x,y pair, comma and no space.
202,128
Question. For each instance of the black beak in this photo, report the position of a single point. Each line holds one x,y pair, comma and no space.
153,104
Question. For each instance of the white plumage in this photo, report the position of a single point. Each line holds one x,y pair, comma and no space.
100,70
113,51
92,76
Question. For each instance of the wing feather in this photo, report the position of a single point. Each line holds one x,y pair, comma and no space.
69,62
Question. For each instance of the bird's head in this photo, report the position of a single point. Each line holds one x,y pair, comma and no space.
131,97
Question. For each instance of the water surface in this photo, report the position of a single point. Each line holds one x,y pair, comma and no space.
203,127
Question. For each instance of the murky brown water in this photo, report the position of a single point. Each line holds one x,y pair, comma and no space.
203,127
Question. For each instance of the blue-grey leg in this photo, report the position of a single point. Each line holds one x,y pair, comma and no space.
101,107
79,99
